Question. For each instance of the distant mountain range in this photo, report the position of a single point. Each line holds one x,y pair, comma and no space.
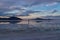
40,19
11,20
52,17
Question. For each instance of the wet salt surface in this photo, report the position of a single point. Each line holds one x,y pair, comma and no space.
46,30
52,35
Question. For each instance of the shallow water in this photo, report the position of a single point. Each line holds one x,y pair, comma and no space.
30,30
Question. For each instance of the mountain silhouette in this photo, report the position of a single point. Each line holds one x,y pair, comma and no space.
11,20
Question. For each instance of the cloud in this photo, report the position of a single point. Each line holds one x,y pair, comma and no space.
27,13
54,11
20,12
26,3
51,4
22,5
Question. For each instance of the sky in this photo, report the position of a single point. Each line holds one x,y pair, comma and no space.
31,8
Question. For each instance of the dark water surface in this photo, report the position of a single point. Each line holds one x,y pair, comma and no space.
30,30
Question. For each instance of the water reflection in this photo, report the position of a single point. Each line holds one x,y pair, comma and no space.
12,22
33,25
30,30
30,25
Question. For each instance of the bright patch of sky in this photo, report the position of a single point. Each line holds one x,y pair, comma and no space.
46,7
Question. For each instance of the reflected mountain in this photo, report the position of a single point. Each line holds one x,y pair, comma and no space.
11,20
38,21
